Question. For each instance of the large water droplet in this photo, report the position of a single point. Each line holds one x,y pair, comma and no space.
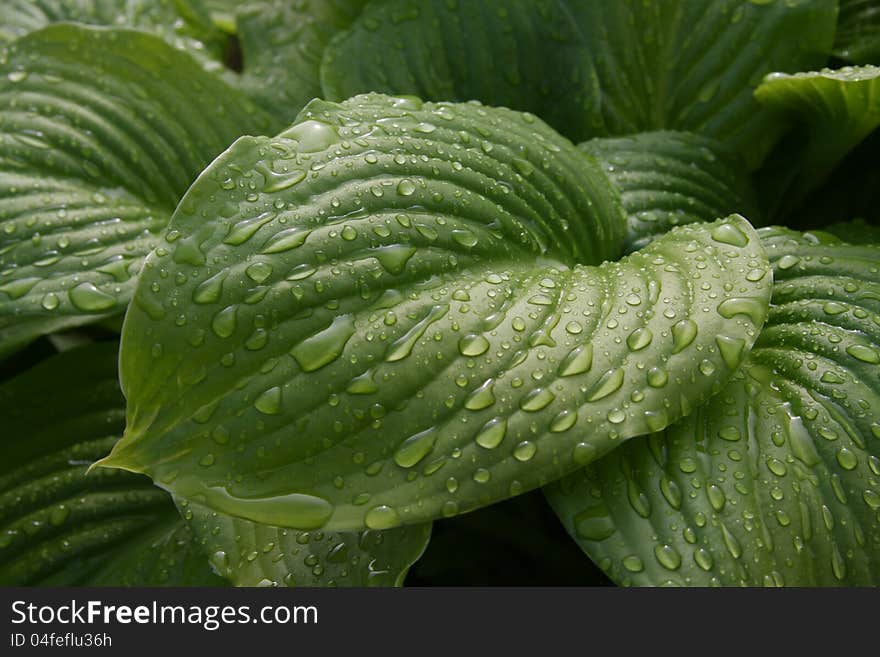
323,348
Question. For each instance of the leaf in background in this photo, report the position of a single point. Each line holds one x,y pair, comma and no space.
668,179
252,554
858,32
681,64
98,142
835,110
185,24
399,323
857,231
282,43
777,479
61,527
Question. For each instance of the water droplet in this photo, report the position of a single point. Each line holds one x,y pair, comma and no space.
703,559
594,524
731,350
716,497
834,308
313,136
50,301
482,476
326,346
730,234
536,400
86,296
657,377
242,231
525,451
787,261
406,187
59,514
209,290
382,517
609,383
269,402
481,398
683,334
465,238
258,272
583,453
393,257
563,421
473,345
492,433
863,353
580,360
285,240
639,339
633,564
280,182
754,309
224,322
415,448
403,346
847,459
667,556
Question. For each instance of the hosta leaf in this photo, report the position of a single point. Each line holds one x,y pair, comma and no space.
252,554
182,23
98,142
857,231
62,527
588,67
672,178
282,43
858,31
836,110
398,320
777,479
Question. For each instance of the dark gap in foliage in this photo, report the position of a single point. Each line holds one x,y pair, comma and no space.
518,542
26,358
233,57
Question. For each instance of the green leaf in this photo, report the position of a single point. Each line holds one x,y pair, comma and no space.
857,231
252,554
98,142
835,111
777,479
668,179
679,64
282,43
61,527
400,322
858,32
184,24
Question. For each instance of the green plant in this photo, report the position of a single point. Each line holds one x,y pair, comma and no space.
408,305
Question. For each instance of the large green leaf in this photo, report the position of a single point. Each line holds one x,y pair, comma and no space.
392,319
668,179
777,479
858,31
62,527
834,110
182,23
282,43
253,554
101,132
589,67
